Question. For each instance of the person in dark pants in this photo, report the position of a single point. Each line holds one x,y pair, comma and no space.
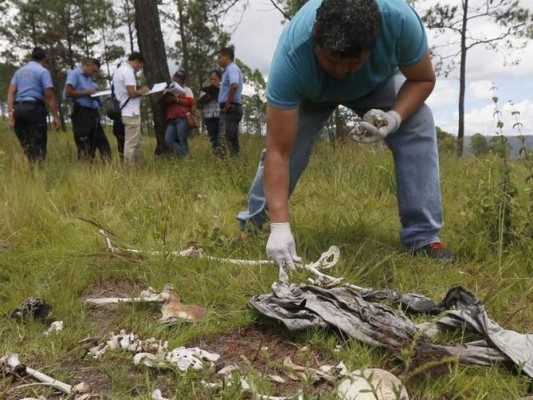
208,103
119,130
30,87
88,131
229,98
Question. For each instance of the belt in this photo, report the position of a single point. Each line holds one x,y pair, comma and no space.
36,102
233,104
78,105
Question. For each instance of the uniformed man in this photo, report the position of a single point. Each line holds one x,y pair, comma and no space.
88,131
30,87
229,98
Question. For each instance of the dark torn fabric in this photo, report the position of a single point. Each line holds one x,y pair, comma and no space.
410,302
303,307
32,307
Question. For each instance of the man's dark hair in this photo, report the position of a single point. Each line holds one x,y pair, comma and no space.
94,61
38,54
228,51
136,56
217,72
346,28
181,74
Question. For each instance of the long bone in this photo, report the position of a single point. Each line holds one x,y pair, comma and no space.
147,296
11,364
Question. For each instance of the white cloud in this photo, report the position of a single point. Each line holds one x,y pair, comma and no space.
480,89
444,95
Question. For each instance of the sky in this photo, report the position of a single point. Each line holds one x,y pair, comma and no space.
256,35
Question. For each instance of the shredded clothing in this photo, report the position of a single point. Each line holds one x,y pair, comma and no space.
303,307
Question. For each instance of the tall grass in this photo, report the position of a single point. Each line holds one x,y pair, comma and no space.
346,197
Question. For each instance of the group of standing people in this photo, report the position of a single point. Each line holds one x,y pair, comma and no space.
31,88
221,107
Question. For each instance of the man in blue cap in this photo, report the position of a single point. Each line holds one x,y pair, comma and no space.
30,87
88,131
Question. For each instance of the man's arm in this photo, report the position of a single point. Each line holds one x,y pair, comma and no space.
281,134
231,95
74,94
134,92
417,88
282,128
11,92
52,105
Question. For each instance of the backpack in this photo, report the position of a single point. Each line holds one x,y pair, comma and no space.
113,107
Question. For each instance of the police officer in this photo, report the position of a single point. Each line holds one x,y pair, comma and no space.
229,98
30,87
88,131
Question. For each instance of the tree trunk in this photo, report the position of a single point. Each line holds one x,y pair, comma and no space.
462,83
129,23
152,47
183,36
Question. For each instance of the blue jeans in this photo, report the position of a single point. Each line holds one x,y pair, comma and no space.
416,162
177,136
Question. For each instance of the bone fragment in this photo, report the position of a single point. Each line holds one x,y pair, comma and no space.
326,261
157,395
55,328
299,369
11,364
173,309
160,298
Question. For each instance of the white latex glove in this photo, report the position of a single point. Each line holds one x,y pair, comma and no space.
281,247
376,125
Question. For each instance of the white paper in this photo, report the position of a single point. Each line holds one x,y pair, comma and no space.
176,89
158,87
102,93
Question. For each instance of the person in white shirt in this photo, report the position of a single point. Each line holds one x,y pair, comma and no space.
129,98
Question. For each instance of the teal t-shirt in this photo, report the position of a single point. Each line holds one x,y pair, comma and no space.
296,74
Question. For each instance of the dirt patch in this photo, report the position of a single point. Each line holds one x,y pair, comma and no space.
428,362
104,318
243,347
114,287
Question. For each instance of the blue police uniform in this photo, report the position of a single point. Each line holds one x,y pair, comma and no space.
31,82
231,118
89,134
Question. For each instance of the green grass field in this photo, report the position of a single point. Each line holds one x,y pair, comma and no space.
345,198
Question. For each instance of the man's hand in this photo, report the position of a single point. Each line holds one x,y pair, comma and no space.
376,125
227,106
281,247
91,91
143,90
11,119
56,124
